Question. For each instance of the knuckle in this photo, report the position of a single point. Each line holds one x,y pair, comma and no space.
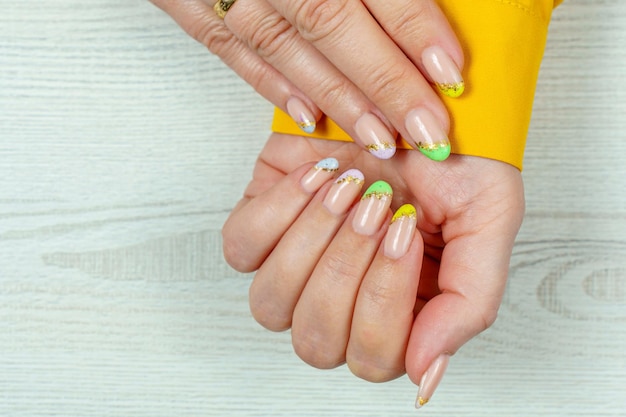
488,318
370,371
319,19
269,318
388,81
378,295
408,22
272,35
269,309
341,268
234,252
335,92
215,36
314,350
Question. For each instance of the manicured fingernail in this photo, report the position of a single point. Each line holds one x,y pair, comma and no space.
319,174
344,191
431,379
301,114
443,71
400,232
375,136
427,134
372,208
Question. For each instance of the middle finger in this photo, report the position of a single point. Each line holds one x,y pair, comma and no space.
322,317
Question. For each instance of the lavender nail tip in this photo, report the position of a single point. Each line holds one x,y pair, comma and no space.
384,153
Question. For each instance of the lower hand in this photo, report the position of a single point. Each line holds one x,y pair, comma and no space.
376,317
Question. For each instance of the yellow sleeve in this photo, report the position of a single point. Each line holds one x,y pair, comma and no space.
503,41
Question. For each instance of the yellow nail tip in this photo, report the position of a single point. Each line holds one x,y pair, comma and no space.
406,210
453,90
422,401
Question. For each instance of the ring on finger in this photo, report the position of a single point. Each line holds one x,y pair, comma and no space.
222,7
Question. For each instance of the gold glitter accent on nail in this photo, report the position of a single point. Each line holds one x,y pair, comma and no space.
377,195
407,210
432,146
380,146
349,178
326,169
421,401
452,89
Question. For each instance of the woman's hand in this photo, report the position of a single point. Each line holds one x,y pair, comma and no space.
366,64
329,275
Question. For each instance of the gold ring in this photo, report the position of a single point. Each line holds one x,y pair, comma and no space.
222,7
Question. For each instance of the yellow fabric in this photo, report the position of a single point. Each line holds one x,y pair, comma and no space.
503,41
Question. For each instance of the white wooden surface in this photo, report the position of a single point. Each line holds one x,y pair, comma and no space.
124,144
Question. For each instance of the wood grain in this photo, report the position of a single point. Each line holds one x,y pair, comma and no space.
123,146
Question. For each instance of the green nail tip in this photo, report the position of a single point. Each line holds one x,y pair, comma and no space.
379,189
437,152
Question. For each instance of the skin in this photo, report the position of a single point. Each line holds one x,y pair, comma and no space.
382,317
341,58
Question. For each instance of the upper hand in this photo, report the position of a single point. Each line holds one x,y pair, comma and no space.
366,64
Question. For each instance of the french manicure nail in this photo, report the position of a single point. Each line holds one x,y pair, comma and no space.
431,379
372,208
344,191
319,174
300,113
443,71
427,134
375,136
400,232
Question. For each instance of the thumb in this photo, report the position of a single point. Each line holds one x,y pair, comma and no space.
472,279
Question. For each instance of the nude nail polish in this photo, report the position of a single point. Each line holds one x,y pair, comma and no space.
443,71
375,136
372,208
431,379
427,135
301,114
319,174
344,191
400,232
